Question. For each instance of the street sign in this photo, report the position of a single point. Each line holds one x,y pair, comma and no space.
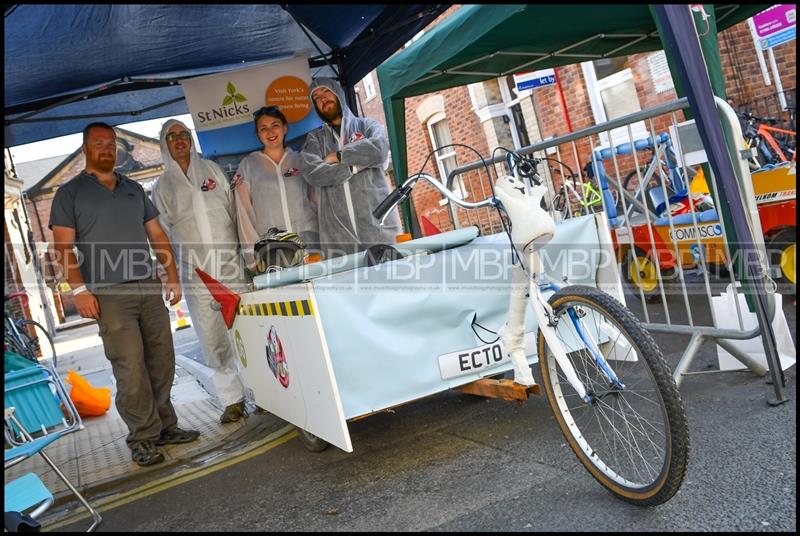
775,25
532,80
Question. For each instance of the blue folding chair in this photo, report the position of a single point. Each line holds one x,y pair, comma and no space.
38,395
27,495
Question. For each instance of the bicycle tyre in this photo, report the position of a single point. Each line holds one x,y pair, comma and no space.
665,473
652,183
36,343
626,186
560,205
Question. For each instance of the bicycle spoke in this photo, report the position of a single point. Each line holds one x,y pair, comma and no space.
623,432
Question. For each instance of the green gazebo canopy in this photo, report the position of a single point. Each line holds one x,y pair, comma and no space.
480,42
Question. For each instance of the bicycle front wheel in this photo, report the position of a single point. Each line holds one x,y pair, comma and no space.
633,439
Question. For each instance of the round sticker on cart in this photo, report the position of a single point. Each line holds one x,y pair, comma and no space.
240,349
276,359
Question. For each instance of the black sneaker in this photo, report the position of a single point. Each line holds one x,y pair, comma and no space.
175,436
145,453
233,413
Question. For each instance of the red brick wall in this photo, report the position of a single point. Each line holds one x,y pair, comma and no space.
465,128
551,115
743,79
373,107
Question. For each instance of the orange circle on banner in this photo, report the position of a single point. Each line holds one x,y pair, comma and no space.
290,95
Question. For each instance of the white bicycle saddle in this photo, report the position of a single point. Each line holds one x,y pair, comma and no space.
532,227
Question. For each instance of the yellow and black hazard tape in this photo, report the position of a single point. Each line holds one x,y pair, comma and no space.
285,308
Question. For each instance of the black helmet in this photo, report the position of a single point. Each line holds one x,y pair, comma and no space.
278,249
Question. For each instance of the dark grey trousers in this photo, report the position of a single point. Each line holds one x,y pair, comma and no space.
135,328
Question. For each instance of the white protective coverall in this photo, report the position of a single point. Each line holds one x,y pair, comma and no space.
201,225
273,194
349,191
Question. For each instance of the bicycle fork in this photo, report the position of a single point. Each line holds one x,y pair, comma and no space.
522,287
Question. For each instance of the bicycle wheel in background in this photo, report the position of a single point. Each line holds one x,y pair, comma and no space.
639,272
560,203
34,343
634,441
782,251
629,184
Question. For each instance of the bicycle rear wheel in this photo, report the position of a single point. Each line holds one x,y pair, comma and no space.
33,344
634,440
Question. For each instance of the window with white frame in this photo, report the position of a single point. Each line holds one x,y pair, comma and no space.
512,98
369,86
612,94
446,158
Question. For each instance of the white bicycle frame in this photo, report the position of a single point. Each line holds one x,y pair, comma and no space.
536,281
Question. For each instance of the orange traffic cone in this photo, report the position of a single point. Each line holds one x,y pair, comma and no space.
181,323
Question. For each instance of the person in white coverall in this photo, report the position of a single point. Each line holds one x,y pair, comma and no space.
344,160
270,190
196,209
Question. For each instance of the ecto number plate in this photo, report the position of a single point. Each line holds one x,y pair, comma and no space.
473,360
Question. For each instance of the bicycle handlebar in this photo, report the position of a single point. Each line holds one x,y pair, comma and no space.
397,196
402,192
526,166
750,117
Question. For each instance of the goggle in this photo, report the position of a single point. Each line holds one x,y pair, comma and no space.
172,136
265,110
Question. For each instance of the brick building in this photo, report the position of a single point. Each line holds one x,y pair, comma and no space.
493,113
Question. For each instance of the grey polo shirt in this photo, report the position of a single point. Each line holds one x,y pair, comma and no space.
109,228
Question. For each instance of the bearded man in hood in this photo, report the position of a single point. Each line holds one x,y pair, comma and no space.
344,160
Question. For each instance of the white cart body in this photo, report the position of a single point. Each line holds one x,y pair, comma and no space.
327,342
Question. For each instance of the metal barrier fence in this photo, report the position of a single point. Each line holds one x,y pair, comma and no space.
658,250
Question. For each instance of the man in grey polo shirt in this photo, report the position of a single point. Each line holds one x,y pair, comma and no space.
109,219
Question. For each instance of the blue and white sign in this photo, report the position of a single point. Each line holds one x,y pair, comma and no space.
222,104
541,78
775,25
778,38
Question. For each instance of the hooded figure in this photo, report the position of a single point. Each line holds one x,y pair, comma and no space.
197,212
351,184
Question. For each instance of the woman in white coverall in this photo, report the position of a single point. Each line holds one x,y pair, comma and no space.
269,189
197,211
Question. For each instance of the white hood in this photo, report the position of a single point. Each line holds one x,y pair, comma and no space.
196,220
